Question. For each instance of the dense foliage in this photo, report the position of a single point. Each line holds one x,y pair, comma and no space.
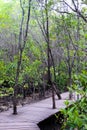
75,116
42,41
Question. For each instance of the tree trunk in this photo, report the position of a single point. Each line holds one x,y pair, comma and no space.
56,91
21,49
70,82
15,106
53,97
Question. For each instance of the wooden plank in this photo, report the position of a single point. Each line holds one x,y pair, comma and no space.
30,115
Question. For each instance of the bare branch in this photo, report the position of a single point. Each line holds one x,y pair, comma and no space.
76,10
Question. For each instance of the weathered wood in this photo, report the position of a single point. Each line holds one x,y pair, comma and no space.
30,115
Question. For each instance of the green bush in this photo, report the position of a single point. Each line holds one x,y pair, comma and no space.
61,81
75,116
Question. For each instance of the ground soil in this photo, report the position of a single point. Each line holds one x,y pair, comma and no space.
6,103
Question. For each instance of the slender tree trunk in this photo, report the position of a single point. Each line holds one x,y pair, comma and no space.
21,49
54,87
48,52
70,82
56,91
16,84
53,97
53,64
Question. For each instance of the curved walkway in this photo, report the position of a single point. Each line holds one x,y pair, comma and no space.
30,115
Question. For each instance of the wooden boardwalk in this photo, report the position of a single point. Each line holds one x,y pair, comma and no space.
30,115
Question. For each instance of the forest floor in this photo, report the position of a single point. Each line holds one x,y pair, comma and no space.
33,98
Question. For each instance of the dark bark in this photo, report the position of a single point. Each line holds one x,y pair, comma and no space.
53,64
53,97
54,86
48,43
56,91
16,85
24,93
